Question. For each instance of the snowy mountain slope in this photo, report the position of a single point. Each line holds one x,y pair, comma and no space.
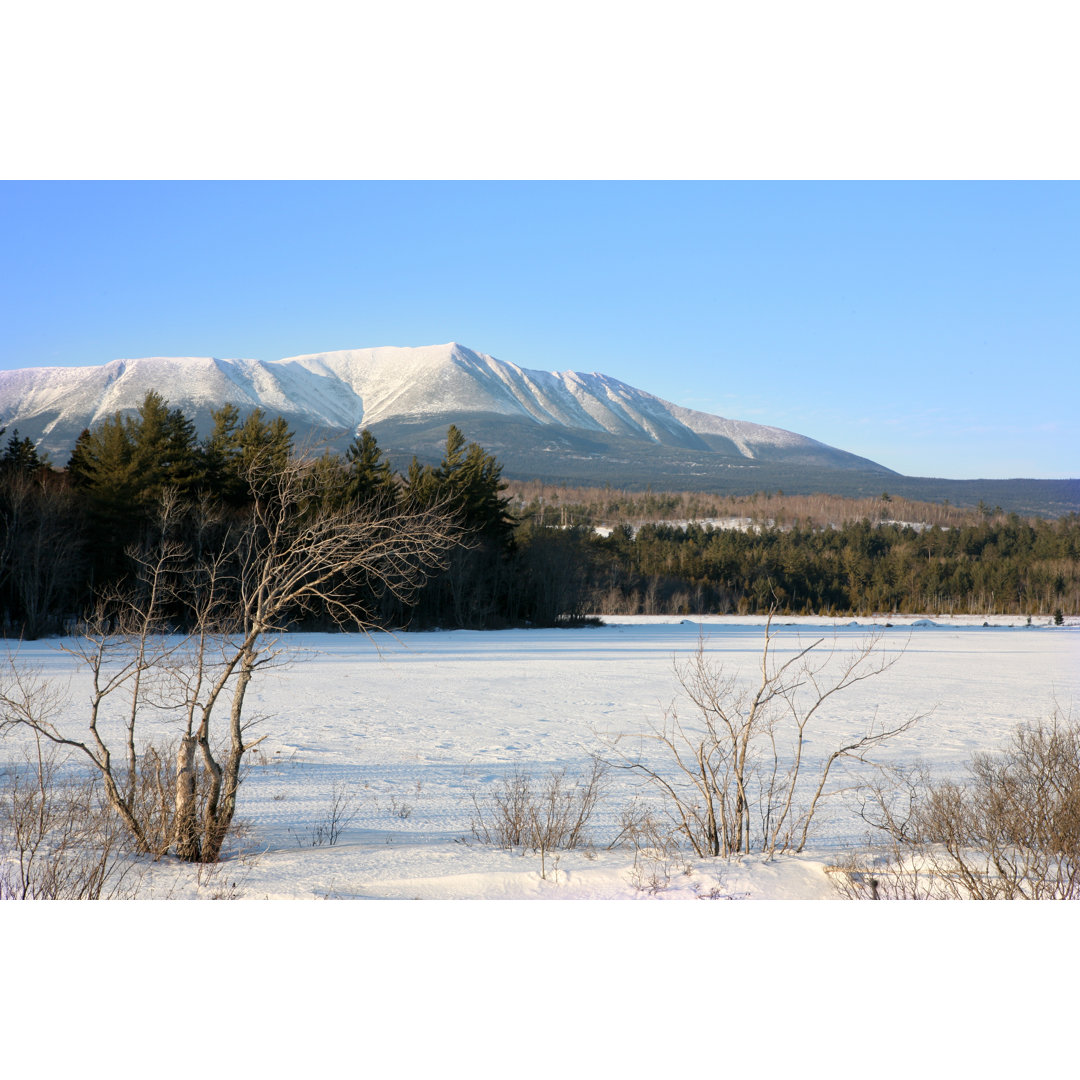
336,393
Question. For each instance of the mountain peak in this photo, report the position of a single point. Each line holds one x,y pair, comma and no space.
335,394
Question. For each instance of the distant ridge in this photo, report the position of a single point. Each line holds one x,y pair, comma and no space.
556,427
333,395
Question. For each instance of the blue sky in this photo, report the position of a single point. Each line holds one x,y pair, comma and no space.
930,326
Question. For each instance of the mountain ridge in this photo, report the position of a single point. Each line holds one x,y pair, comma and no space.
334,394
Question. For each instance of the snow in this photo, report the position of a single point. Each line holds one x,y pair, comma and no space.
354,387
740,524
574,987
416,726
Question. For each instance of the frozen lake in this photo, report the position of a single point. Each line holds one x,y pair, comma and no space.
415,726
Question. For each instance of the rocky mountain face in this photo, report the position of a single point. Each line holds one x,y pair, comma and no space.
558,426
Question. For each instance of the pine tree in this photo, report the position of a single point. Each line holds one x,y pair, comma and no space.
20,455
370,477
127,462
471,480
475,589
421,483
221,452
164,450
264,447
238,455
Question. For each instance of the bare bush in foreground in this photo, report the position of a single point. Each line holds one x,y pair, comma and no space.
341,812
59,837
658,856
739,776
1011,831
551,814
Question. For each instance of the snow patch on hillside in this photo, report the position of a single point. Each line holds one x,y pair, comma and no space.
350,388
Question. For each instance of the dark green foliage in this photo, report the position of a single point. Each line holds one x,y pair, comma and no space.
470,481
126,462
996,566
238,456
546,565
263,445
370,478
221,454
20,455
122,467
478,588
121,470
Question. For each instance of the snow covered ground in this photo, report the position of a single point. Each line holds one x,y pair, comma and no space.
424,721
410,731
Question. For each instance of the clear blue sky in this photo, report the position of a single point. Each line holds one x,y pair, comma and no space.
932,327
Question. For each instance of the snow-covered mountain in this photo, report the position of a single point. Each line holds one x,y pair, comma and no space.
393,390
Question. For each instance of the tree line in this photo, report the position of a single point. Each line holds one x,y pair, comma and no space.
71,536
607,506
528,554
691,553
860,568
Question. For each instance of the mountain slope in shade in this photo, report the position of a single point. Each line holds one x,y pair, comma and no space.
334,394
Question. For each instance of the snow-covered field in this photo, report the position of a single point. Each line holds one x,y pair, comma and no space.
424,721
409,731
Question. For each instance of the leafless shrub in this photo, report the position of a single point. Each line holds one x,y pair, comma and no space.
657,852
505,821
60,838
739,776
540,815
341,812
1010,831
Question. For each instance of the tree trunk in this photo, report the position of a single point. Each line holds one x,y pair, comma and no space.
222,805
186,829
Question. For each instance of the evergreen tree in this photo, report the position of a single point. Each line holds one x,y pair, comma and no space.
264,448
165,452
328,483
80,463
370,477
20,455
102,462
238,455
477,588
122,466
127,462
471,480
421,483
221,452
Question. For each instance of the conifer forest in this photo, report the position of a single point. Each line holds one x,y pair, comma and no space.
521,554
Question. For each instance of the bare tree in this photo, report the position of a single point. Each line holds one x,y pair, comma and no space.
294,551
739,777
295,555
41,553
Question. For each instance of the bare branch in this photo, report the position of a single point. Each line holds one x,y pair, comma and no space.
740,777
